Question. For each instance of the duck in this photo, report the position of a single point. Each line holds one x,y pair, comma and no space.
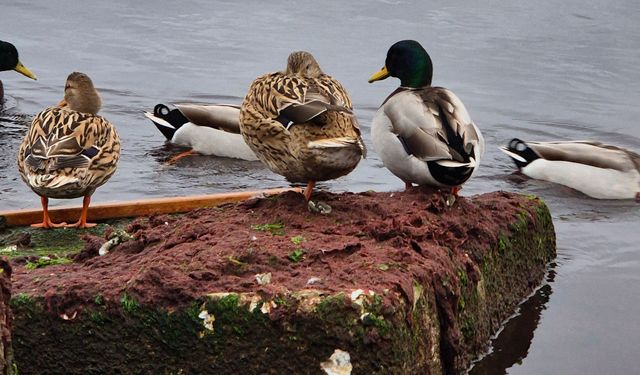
9,60
596,169
422,133
69,150
207,129
300,123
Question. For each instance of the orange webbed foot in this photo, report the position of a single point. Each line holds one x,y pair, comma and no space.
181,155
80,225
48,224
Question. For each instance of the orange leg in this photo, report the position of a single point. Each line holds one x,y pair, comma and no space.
181,155
82,223
46,220
454,195
308,190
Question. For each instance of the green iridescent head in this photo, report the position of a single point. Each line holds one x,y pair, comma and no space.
408,61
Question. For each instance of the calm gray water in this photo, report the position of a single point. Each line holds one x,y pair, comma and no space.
534,70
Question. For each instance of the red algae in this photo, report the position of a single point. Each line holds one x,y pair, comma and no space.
382,242
173,260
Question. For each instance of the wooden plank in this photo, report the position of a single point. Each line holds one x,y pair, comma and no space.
103,211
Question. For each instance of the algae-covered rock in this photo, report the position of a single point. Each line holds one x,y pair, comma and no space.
6,319
398,283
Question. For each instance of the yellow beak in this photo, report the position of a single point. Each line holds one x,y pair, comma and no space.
23,70
379,75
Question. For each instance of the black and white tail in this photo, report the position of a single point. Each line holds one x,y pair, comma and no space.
520,152
166,120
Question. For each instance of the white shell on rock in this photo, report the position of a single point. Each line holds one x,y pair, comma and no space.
338,364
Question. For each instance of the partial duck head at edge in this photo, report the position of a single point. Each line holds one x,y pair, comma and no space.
408,61
303,64
80,95
9,60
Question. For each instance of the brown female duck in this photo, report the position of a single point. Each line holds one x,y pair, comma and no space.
300,123
69,150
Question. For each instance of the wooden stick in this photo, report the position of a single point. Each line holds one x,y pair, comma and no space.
103,211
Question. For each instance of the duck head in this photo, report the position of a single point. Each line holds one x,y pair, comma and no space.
9,60
408,61
80,95
303,64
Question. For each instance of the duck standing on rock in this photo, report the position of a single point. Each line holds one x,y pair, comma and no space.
598,170
69,150
9,61
423,134
300,123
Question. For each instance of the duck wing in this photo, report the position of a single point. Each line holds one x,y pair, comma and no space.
434,125
591,153
224,117
295,100
61,141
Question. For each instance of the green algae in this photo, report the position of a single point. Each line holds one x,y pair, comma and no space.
519,257
297,240
380,330
62,242
45,261
129,304
178,340
296,255
276,229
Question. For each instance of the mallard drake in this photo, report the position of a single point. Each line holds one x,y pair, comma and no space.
9,61
208,129
598,170
69,150
300,123
423,134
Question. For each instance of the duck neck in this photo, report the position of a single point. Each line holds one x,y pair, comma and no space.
419,75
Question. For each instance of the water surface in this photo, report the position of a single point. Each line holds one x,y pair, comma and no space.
563,70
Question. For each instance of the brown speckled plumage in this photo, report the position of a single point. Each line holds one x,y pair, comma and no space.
68,154
300,122
69,150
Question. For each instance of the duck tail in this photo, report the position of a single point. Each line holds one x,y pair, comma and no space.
167,121
472,163
51,181
339,142
520,152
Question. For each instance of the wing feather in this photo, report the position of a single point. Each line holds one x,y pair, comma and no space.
433,124
63,145
218,116
590,153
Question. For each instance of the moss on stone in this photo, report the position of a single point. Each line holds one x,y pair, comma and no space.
60,242
434,326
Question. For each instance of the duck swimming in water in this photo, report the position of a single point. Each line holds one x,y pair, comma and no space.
598,170
207,129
